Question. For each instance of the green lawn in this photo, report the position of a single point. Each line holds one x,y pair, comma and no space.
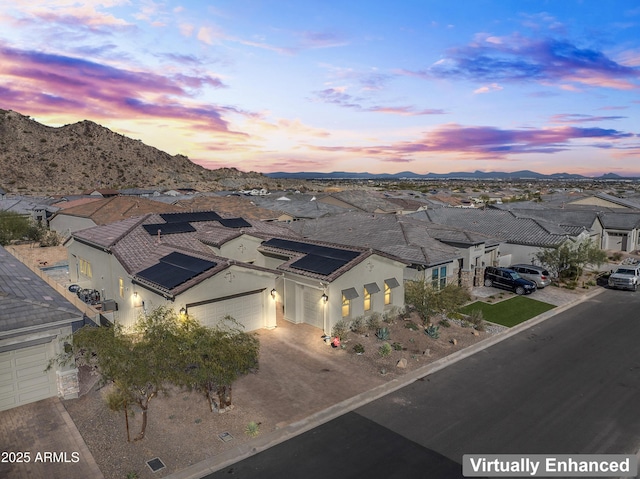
510,312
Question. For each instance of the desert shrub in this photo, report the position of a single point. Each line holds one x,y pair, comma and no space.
476,318
445,323
358,348
340,329
411,325
383,334
358,325
385,350
432,331
373,322
396,346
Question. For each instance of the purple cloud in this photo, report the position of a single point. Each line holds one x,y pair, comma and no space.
578,118
485,142
100,90
338,97
517,59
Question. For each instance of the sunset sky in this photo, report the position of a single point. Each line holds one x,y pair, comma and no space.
378,86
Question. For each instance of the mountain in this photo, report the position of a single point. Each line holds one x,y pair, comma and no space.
38,159
459,175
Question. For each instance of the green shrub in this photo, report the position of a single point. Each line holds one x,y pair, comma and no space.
444,323
383,334
358,348
384,350
476,318
252,429
432,331
396,346
411,325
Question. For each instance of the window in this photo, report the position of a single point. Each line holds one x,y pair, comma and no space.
387,294
439,277
367,300
346,306
121,287
85,268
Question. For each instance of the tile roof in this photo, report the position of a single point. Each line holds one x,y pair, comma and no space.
400,236
227,206
26,301
109,210
365,200
500,224
622,221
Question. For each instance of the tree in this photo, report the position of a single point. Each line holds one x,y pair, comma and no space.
429,301
163,349
569,259
216,358
139,365
13,226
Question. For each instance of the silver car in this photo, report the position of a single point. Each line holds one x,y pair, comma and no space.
537,274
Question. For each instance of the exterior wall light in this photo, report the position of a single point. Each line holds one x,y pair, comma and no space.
325,298
183,311
273,293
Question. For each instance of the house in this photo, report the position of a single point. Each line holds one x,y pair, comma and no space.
435,253
104,211
620,231
521,237
35,323
210,267
362,200
102,192
605,200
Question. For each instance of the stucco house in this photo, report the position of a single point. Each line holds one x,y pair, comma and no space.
521,237
35,323
209,266
436,253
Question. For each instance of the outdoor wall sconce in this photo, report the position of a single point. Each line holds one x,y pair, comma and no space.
183,311
273,293
325,298
135,294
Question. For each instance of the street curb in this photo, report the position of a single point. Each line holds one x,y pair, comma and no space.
231,456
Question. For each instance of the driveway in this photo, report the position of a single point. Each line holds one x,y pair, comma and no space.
40,429
551,294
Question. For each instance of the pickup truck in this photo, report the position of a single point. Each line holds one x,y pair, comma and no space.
625,277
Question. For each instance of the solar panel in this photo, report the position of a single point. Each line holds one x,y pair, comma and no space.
317,250
185,261
166,275
235,223
190,217
318,264
175,269
169,228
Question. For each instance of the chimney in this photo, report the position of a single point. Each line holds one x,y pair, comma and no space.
159,238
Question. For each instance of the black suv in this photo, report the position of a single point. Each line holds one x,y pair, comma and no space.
508,279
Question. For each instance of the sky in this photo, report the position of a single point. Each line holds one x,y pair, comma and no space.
260,85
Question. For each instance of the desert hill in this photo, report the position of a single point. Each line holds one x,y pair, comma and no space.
39,159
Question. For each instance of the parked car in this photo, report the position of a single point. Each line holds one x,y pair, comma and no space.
625,277
537,274
508,279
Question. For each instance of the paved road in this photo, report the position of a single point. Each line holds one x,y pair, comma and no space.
568,385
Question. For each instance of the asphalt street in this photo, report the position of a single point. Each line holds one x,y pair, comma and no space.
570,385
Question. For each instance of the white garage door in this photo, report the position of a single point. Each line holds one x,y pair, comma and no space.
247,310
22,376
313,308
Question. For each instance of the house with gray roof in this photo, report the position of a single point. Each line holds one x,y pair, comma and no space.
621,231
35,323
211,267
521,237
437,253
608,201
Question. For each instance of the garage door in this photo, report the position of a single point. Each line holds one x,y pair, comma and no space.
22,376
313,308
247,310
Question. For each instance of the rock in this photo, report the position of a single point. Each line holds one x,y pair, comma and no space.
475,333
426,352
402,363
454,341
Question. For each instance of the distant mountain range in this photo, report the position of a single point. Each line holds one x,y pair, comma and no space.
460,175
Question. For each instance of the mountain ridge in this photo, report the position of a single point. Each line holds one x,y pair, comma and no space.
409,175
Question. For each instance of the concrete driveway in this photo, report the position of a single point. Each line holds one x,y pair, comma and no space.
46,432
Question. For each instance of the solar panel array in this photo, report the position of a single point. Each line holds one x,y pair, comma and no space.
169,228
234,223
190,217
318,259
175,269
